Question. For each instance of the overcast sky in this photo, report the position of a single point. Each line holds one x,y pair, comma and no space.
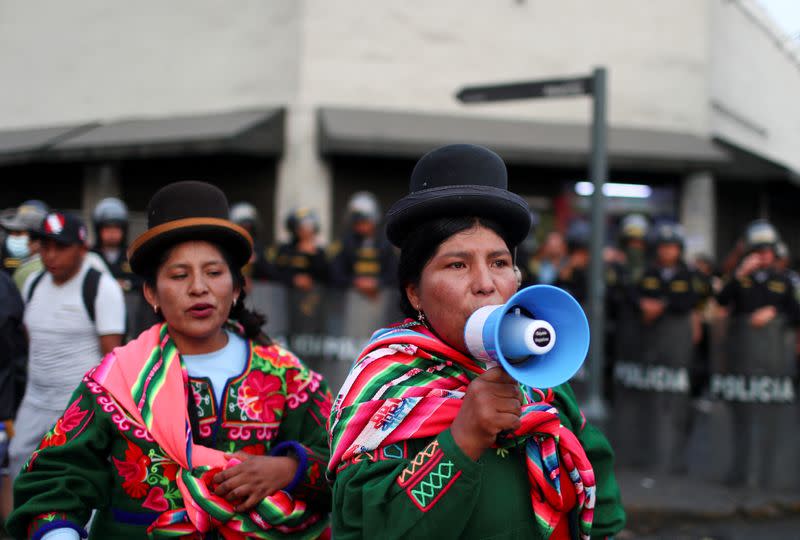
787,14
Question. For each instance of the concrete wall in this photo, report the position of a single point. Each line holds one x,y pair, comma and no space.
66,62
755,83
96,59
415,54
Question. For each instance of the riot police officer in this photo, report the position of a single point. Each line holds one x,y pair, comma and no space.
259,267
110,222
669,296
363,259
634,231
759,371
301,262
757,289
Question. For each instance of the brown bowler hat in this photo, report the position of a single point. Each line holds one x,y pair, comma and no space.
188,211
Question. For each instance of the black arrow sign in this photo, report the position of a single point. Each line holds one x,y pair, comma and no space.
578,86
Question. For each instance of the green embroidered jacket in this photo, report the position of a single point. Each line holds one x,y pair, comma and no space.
97,457
428,488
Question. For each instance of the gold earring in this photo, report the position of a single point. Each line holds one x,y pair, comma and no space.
155,308
420,316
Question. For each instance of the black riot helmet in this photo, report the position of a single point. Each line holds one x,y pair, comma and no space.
668,232
301,215
760,234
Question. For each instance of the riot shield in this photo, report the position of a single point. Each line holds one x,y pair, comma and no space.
652,406
753,382
629,395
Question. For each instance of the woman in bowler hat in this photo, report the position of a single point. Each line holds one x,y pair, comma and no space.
202,427
426,440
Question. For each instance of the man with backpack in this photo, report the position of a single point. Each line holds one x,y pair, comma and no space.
74,315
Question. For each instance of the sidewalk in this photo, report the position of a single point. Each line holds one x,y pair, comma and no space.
652,499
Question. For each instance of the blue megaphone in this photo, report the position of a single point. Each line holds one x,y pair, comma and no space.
540,336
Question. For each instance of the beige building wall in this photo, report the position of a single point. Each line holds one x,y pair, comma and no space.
755,83
108,59
415,54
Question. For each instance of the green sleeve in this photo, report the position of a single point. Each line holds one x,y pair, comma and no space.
431,494
304,424
609,514
68,475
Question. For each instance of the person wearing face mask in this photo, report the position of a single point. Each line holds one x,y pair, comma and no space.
21,244
426,440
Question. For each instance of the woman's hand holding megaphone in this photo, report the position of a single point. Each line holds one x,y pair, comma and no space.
492,404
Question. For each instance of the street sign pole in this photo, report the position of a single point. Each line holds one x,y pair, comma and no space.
594,85
595,408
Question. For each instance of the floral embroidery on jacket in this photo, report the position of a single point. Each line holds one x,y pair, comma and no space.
70,420
277,356
134,469
260,397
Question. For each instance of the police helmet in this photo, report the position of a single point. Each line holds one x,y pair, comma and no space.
634,226
110,211
27,217
301,215
245,214
760,234
578,234
668,232
363,206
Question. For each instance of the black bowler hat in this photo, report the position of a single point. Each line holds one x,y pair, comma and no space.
459,180
188,211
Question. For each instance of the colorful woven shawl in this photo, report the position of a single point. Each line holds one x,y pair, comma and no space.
408,384
148,380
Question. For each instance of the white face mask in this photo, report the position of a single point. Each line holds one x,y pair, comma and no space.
18,246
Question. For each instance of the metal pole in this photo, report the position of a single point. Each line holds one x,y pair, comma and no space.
595,408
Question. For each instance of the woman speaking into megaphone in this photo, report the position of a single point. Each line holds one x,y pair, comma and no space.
429,439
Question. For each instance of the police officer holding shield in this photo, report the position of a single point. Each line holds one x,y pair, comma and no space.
756,380
668,299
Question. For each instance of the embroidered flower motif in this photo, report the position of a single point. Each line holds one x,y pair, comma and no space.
277,356
134,470
298,384
71,419
260,396
170,471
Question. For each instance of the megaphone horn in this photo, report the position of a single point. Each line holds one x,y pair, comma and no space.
540,336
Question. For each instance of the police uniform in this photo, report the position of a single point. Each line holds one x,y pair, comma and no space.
289,262
667,358
758,355
9,262
357,256
121,269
